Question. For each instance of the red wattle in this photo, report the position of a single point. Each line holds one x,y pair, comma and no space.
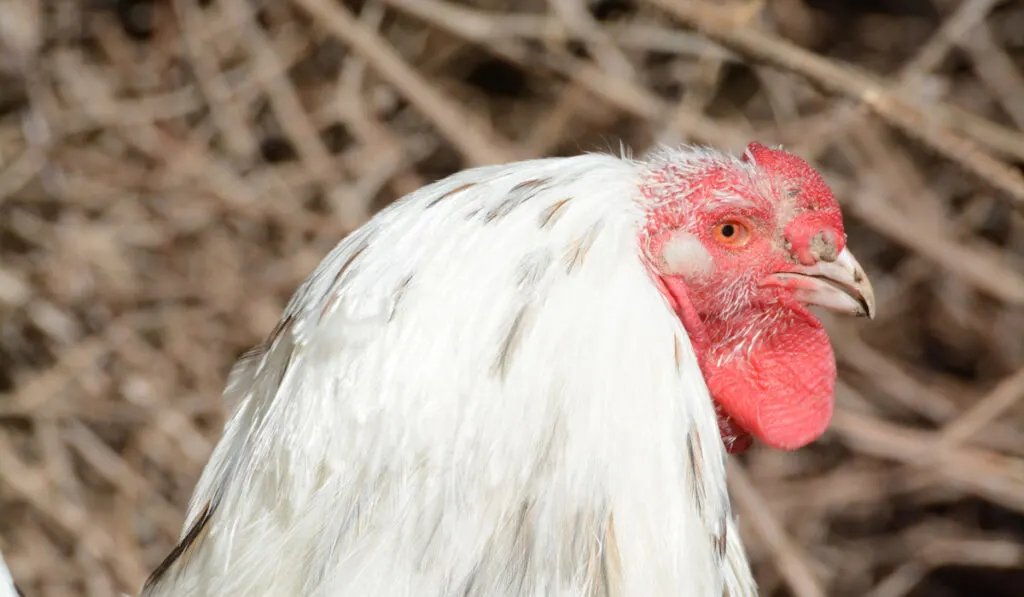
782,389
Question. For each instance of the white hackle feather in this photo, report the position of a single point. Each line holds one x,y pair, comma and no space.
479,393
7,588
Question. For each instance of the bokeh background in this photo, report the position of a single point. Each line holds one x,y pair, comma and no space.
170,170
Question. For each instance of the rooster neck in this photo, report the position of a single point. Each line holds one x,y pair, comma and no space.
479,393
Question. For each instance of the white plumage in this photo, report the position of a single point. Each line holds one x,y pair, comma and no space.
479,393
7,588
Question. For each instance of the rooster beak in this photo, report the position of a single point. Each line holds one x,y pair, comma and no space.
840,285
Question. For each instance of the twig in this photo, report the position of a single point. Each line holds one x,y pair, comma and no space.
980,472
789,559
32,486
900,581
224,109
284,99
997,71
478,145
1008,393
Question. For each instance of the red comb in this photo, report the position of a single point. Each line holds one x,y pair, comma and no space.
795,171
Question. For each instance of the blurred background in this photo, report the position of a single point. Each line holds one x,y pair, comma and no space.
170,170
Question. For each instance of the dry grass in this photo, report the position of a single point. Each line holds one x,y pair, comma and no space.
171,169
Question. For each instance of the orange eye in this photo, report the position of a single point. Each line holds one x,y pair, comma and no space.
732,233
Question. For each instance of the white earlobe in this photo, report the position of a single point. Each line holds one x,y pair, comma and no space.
684,255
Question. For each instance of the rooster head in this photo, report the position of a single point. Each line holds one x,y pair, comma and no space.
740,247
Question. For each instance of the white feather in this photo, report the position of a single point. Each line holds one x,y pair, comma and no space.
475,394
7,588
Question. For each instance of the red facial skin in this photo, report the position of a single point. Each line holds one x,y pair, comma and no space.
766,359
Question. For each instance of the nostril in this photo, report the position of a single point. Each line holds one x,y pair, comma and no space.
813,238
823,246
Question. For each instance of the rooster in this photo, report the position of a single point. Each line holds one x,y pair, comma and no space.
523,380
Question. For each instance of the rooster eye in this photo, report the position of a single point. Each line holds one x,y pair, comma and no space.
732,233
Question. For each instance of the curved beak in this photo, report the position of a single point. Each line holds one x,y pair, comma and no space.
839,285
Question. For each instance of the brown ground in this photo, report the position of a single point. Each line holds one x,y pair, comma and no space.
170,171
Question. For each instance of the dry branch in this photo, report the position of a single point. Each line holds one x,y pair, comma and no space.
170,173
